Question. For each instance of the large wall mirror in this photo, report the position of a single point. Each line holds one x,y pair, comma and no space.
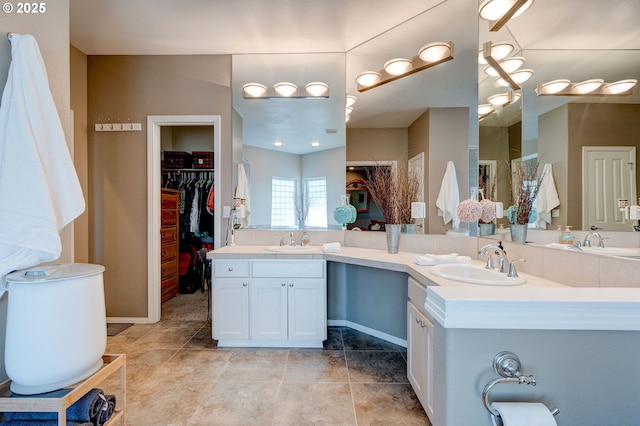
603,43
378,129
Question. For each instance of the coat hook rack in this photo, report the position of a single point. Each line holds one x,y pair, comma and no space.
117,126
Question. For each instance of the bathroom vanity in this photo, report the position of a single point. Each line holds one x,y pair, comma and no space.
577,342
269,302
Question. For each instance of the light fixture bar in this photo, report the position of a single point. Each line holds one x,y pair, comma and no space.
486,53
299,93
605,89
417,64
500,22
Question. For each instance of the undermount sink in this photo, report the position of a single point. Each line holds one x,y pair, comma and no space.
290,249
474,274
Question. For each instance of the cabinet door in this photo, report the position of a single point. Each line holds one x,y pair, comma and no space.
307,309
420,356
230,308
268,309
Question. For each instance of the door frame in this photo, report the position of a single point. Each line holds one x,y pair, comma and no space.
154,184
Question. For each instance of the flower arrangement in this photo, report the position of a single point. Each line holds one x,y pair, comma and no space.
524,191
469,210
393,192
488,211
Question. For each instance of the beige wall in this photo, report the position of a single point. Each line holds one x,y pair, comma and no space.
494,145
51,30
377,144
564,131
131,88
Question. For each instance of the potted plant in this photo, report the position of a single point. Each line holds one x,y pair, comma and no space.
524,190
393,192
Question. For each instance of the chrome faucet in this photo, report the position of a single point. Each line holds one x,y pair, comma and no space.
587,241
292,241
504,264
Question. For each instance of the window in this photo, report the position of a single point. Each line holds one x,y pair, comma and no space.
316,188
283,209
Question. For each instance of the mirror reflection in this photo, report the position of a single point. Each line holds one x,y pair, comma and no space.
564,131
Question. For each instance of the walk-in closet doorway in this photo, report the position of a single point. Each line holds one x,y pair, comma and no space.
154,179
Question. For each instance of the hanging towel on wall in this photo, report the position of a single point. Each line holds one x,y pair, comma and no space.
242,192
449,196
40,190
547,199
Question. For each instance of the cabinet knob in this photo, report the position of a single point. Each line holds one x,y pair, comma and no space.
244,284
283,284
230,268
290,284
162,235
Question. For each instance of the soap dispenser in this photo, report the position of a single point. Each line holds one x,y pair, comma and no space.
304,239
566,236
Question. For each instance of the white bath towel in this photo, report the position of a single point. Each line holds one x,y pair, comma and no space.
242,192
331,247
39,186
547,199
449,196
436,259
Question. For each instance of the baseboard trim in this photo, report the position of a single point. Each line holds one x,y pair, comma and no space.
369,331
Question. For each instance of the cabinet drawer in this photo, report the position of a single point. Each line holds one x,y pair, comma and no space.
417,294
168,217
168,268
288,268
231,268
169,287
168,235
169,201
168,251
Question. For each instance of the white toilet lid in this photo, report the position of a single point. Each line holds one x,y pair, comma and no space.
54,272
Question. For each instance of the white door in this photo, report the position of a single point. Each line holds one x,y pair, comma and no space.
420,357
416,165
608,174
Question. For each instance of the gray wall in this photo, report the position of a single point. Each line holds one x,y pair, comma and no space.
591,376
374,298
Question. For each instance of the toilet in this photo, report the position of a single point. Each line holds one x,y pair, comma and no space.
56,326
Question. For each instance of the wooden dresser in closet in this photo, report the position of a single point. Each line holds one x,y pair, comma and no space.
169,244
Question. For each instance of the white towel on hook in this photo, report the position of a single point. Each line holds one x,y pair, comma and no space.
242,192
449,196
547,199
40,190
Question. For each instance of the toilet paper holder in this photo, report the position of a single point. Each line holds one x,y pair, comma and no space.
507,365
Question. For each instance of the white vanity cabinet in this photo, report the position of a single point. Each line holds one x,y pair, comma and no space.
278,303
420,346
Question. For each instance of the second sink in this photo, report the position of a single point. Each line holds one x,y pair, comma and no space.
474,274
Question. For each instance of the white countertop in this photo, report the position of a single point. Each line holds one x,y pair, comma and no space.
537,304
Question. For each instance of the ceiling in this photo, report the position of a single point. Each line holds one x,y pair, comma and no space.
366,33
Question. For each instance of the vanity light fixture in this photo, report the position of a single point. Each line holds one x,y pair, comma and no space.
510,65
498,52
503,99
485,110
499,12
284,89
507,79
254,90
519,77
397,66
428,56
351,100
591,87
317,88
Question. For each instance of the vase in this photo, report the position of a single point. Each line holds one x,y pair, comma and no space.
486,229
518,232
393,237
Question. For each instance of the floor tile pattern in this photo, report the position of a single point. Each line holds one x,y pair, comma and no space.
177,376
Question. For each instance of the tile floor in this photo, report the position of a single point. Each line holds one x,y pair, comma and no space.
177,376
